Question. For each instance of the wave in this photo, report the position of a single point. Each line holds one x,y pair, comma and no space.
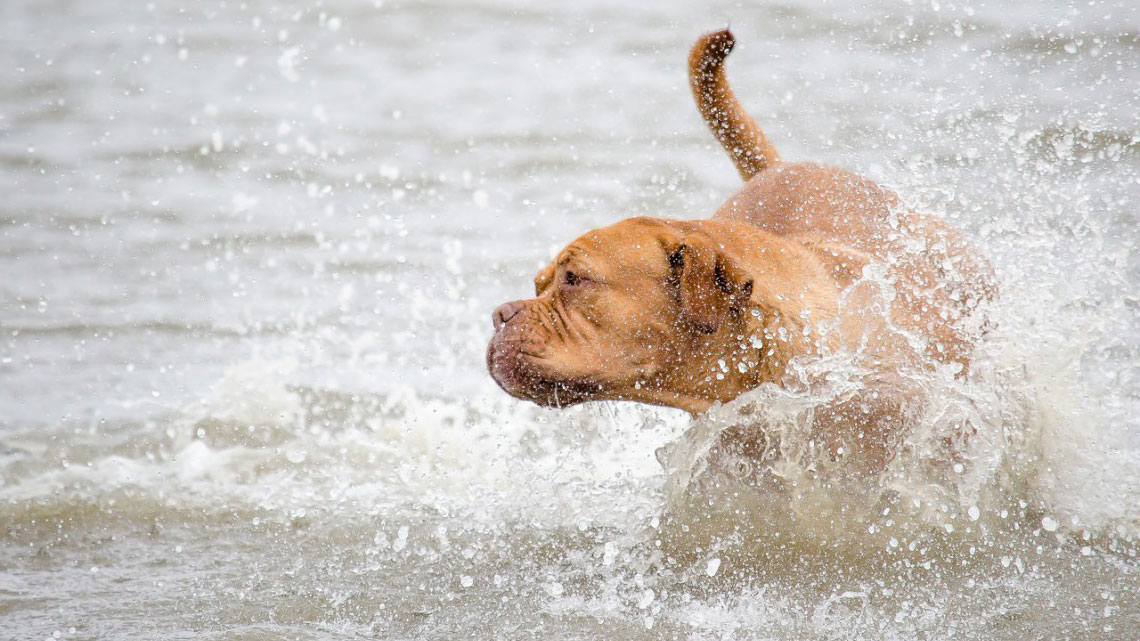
1014,452
254,446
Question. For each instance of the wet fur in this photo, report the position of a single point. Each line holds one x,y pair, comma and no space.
689,313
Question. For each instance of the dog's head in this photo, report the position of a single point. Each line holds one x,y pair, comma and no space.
647,310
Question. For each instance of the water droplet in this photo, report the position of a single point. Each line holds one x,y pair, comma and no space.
713,567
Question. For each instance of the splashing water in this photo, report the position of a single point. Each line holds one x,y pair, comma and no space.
250,249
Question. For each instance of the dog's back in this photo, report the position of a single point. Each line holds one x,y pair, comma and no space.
939,281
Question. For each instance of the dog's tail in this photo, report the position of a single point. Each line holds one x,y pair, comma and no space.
732,126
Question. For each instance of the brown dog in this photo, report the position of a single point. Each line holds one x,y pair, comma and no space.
805,259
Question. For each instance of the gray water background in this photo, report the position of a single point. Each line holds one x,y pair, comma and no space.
249,252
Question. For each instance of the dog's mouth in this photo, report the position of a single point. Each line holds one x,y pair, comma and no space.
523,376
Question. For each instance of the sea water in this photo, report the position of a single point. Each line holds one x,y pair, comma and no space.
249,253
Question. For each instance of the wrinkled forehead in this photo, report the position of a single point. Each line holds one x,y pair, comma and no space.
635,244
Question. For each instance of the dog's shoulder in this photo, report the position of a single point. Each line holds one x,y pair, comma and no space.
842,263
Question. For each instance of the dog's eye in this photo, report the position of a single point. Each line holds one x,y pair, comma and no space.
571,279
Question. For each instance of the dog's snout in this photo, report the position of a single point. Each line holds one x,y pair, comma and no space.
505,312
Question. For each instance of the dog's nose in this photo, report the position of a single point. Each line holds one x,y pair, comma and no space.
505,312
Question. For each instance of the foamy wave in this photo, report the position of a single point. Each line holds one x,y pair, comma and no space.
258,446
1014,449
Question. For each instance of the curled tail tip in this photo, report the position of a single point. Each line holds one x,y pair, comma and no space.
711,49
721,39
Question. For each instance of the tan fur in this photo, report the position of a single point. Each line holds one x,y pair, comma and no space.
731,125
688,313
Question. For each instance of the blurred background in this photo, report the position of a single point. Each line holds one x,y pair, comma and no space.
250,250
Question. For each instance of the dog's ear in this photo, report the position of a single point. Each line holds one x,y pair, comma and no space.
708,282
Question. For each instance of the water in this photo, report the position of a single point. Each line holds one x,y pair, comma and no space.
250,251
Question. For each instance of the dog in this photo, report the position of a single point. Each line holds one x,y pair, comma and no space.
804,260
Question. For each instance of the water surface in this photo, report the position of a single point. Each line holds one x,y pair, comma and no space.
250,250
